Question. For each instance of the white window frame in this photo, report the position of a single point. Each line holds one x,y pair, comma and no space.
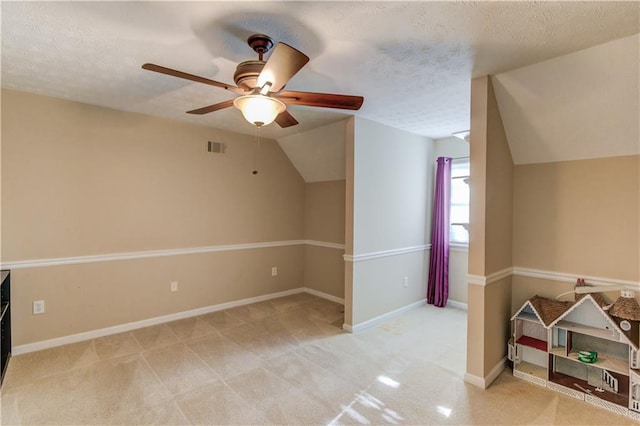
465,225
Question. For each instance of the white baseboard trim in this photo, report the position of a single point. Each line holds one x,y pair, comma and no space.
323,295
382,318
474,380
495,371
458,305
484,382
93,334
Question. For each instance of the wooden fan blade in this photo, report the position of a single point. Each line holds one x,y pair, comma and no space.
211,108
284,63
285,119
326,100
175,73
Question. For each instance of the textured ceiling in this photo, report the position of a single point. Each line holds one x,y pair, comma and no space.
412,61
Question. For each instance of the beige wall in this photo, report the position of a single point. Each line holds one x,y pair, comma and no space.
579,217
324,270
490,239
475,330
487,306
574,217
379,284
389,209
349,209
87,297
324,217
497,327
81,180
498,192
458,261
392,187
324,211
523,288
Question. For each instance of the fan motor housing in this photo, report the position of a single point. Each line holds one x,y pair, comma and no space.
247,72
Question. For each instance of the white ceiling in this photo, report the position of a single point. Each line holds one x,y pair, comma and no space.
412,61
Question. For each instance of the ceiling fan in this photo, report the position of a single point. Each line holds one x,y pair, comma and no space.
260,84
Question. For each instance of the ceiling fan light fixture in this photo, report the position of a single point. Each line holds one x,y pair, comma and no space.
259,110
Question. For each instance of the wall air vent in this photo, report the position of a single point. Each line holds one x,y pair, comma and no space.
216,147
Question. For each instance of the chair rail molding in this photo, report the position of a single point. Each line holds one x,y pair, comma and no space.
76,260
385,253
571,277
567,277
484,281
326,244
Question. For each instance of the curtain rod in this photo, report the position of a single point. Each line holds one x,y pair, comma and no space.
460,158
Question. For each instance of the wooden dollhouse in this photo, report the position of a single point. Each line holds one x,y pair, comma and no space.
587,349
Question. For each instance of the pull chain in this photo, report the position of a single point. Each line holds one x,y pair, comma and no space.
256,153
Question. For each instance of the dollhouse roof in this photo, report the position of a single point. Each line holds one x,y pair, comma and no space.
596,303
591,307
626,308
546,310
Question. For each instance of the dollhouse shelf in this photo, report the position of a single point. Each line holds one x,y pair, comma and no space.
532,342
532,370
585,329
605,362
558,350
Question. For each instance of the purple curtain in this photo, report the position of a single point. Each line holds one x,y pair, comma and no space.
438,284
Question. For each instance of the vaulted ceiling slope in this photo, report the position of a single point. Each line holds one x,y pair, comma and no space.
412,61
581,105
318,154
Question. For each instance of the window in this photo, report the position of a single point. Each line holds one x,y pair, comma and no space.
459,212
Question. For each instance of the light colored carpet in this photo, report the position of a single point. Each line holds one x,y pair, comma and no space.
283,361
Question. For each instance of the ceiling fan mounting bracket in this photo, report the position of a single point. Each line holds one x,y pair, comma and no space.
260,44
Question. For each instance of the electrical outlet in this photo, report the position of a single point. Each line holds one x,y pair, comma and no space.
38,307
406,281
274,271
174,286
